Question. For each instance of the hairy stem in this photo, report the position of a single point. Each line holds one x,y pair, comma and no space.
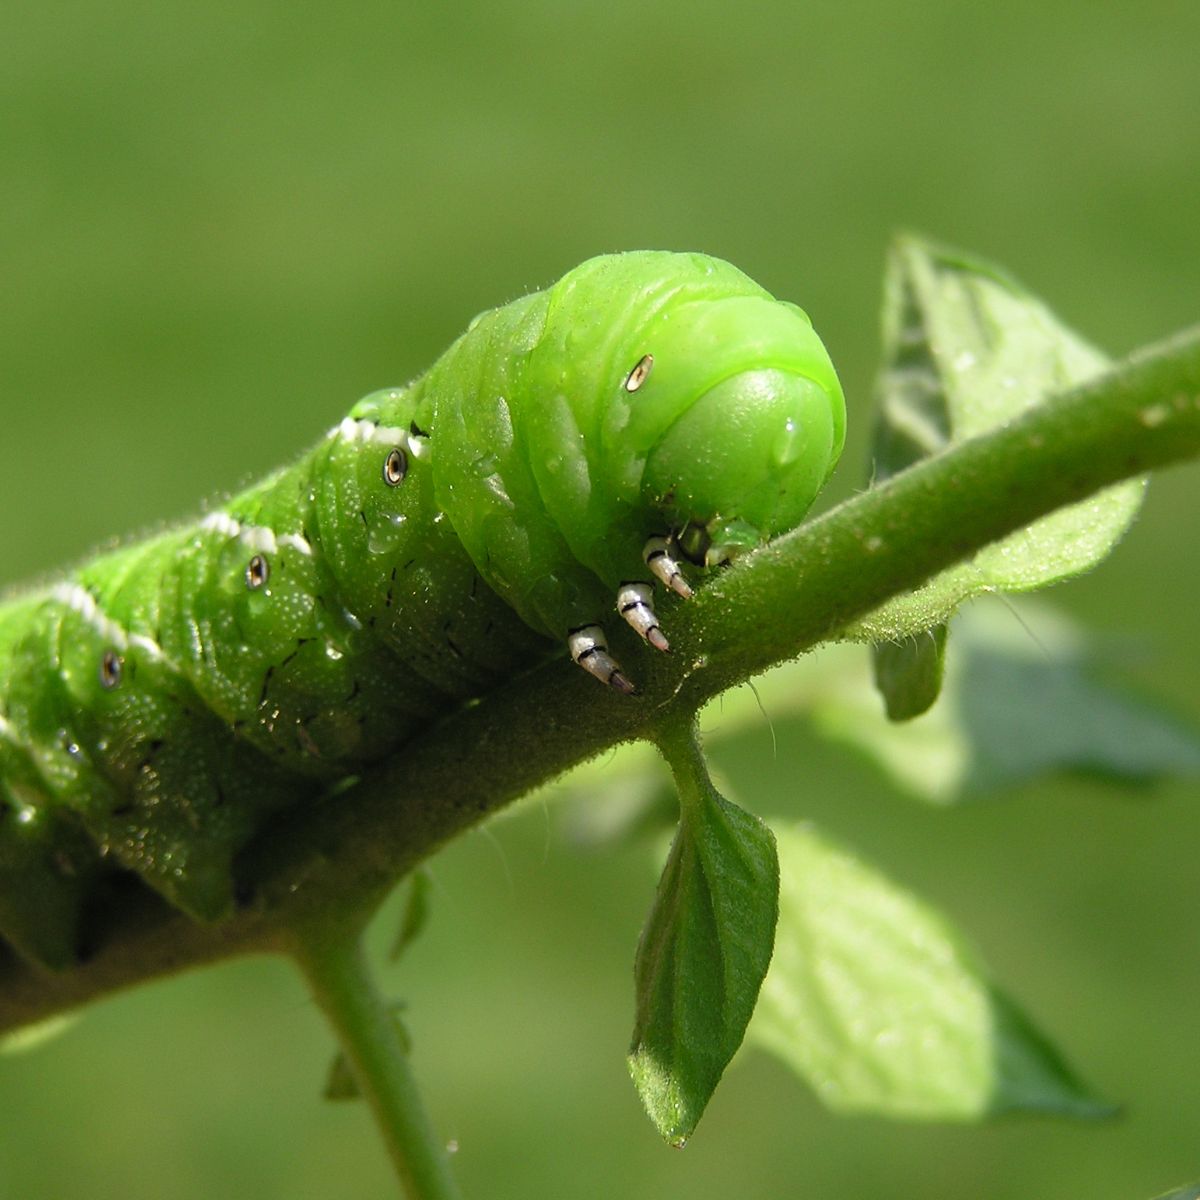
343,857
332,962
678,741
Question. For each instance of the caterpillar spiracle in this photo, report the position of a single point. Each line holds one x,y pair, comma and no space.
563,458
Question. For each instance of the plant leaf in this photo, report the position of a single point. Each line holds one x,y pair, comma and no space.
965,350
702,956
908,673
416,913
1026,717
1022,700
874,1000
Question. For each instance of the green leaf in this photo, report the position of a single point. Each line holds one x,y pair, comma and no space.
965,350
416,913
340,1083
908,673
1026,716
1191,1192
703,952
1022,699
873,999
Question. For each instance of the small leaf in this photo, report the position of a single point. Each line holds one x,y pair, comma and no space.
1027,712
340,1083
703,952
965,350
908,673
416,913
1023,698
873,999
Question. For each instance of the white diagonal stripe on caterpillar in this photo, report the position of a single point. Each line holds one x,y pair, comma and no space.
80,600
221,522
255,537
350,430
297,543
149,645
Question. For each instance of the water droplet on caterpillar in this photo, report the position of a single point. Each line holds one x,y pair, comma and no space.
788,443
387,534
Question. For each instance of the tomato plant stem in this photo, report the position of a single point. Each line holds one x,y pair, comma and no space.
333,963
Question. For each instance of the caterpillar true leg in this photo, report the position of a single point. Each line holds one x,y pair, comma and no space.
589,648
656,554
635,603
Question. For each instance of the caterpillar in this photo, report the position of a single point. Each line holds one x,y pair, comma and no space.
566,456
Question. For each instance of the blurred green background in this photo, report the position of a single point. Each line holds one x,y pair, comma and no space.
222,223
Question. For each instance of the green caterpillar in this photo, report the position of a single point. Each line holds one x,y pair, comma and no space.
562,456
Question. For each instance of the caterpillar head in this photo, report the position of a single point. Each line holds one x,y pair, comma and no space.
675,395
747,418
648,405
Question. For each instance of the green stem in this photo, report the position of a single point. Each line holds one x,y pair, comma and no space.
677,739
332,962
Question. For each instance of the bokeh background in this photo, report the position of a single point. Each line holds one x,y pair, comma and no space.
221,223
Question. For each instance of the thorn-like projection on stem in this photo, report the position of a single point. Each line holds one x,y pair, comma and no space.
635,603
656,554
589,649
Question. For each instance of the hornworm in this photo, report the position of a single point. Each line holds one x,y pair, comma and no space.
564,458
